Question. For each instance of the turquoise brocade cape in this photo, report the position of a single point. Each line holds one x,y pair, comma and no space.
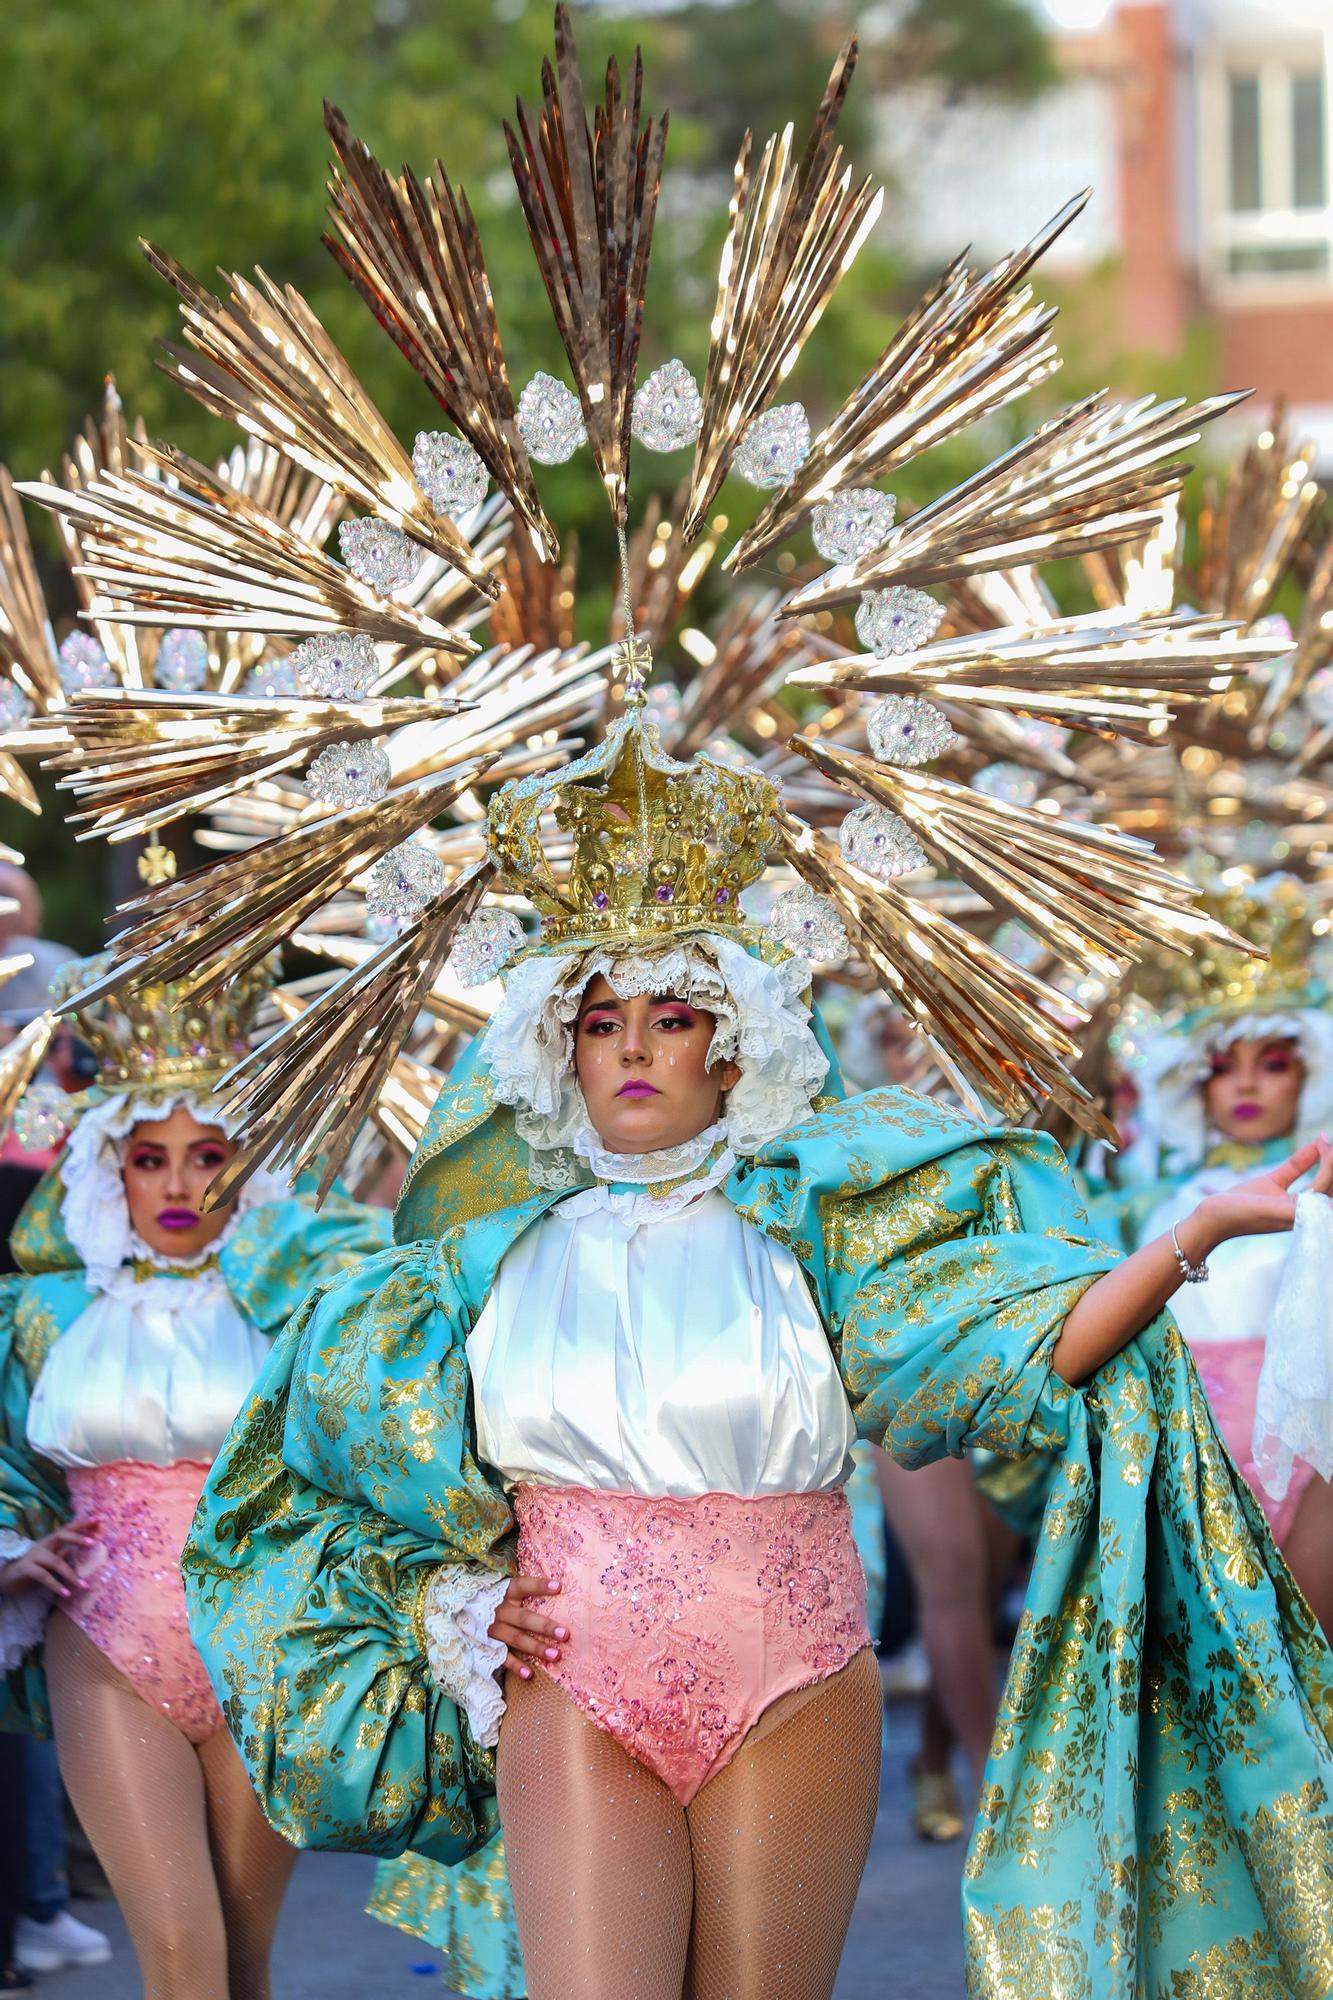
1155,1820
268,1261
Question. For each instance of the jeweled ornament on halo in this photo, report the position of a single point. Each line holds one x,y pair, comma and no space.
550,421
15,707
809,924
906,731
452,476
853,523
379,554
881,842
484,946
668,408
350,774
896,621
182,661
41,1117
775,447
404,884
275,680
335,666
1013,784
83,664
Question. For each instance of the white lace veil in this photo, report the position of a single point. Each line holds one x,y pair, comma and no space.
763,1024
94,1210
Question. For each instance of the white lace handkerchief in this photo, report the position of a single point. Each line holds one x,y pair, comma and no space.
1293,1412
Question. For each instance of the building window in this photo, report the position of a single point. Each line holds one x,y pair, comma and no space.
1275,218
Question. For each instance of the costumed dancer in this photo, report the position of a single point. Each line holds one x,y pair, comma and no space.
652,1272
1238,1070
627,1199
129,1342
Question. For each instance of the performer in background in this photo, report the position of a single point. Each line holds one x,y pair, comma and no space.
1238,1071
128,1343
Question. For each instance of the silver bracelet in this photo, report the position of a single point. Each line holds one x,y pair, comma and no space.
1193,1274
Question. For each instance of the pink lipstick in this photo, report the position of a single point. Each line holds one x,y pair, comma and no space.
178,1218
1245,1110
638,1089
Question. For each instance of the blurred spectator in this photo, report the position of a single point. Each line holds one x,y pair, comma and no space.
21,931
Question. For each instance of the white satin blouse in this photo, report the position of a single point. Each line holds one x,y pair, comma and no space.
635,1346
154,1370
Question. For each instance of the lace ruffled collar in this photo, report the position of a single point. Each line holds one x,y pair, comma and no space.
668,1164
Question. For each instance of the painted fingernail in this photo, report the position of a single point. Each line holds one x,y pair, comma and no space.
525,1673
560,1632
550,1654
551,1585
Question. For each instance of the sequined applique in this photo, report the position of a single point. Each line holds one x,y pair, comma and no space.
691,1616
133,1608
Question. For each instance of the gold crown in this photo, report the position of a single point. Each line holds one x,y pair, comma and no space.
657,846
1282,917
158,1038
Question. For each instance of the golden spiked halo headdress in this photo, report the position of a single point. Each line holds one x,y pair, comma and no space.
626,840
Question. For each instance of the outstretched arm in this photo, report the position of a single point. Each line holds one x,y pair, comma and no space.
1122,1302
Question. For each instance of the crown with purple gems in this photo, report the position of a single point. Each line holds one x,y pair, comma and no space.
161,1038
629,842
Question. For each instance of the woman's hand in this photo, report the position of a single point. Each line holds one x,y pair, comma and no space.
529,1635
46,1565
1259,1206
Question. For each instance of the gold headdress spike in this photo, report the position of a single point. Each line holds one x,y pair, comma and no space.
589,195
795,231
175,545
145,759
266,362
1091,477
970,346
1113,679
628,841
412,251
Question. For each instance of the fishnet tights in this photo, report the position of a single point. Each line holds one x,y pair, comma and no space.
195,1867
745,1894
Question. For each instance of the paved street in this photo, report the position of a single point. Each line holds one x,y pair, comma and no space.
906,1919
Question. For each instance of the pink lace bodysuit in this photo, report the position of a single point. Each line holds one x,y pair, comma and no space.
653,1381
132,1403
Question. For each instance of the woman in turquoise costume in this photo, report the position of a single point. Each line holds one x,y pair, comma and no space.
1235,1071
652,1274
126,1347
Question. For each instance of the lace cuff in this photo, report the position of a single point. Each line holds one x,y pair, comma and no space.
23,1615
454,1612
1293,1411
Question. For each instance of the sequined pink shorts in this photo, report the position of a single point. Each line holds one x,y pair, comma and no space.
133,1606
690,1617
1229,1371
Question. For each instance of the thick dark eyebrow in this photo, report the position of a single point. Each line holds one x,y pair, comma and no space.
600,1007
